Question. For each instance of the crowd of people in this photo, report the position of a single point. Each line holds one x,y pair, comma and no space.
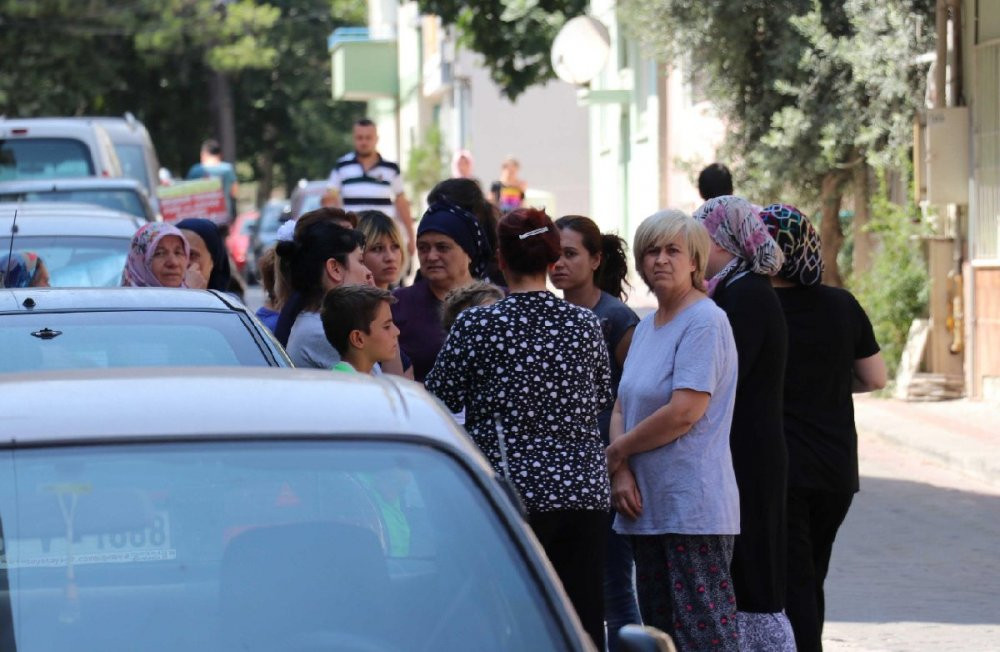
688,470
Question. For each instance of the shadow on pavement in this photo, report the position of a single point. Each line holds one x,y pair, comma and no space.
919,553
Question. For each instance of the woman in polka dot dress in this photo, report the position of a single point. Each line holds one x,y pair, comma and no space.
532,373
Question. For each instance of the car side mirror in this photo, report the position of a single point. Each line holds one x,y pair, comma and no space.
642,638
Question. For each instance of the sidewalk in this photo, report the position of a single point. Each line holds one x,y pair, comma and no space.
963,434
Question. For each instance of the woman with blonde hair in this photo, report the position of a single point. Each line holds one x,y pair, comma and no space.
673,484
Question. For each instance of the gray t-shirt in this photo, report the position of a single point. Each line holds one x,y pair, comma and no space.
687,486
307,343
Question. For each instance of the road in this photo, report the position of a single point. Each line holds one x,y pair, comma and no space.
915,566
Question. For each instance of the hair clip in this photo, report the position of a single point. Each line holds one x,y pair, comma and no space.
524,236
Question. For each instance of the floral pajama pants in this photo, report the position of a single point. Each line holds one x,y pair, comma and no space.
684,588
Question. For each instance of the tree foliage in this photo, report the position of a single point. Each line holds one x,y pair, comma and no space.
894,291
808,87
813,90
154,58
514,36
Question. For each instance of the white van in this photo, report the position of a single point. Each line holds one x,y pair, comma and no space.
54,148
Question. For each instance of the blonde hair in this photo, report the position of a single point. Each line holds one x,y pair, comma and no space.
664,226
475,294
376,224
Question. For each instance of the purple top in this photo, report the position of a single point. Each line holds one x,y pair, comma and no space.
417,313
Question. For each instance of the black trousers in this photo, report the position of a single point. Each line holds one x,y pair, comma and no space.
575,542
814,516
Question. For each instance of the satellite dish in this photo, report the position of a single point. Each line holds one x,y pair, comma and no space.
580,50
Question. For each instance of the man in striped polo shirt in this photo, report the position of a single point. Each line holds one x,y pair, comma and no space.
363,180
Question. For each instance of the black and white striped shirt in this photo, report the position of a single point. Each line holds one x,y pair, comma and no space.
363,190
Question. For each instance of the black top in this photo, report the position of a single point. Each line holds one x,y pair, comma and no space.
827,331
534,368
757,441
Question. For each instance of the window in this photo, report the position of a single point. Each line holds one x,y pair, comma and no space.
133,160
44,158
120,338
75,262
259,546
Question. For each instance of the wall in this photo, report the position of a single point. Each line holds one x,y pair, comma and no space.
546,130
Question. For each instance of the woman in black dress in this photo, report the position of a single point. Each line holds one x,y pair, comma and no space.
741,259
532,372
832,352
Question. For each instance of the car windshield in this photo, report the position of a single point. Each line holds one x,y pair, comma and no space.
126,338
273,545
76,261
44,158
124,200
133,162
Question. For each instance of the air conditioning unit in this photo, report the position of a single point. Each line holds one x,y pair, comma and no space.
941,156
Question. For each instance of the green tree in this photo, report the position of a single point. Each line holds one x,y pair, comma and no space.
285,114
894,291
815,91
514,36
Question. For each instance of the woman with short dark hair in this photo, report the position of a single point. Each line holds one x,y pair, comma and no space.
531,372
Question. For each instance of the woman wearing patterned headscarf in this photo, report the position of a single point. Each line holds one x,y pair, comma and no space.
453,251
23,270
741,258
832,352
159,257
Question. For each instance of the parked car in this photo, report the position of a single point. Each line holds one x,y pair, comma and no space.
210,509
238,241
52,148
118,194
91,328
134,148
81,245
308,196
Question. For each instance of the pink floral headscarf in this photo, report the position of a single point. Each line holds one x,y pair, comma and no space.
735,225
139,264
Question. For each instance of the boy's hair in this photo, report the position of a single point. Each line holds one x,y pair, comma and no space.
350,308
474,294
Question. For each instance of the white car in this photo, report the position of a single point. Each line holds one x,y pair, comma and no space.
216,509
81,245
52,148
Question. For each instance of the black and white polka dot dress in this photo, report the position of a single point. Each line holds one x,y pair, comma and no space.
532,373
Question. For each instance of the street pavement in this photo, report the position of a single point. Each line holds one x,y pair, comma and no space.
915,566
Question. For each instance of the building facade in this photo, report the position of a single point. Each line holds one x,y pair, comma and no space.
430,96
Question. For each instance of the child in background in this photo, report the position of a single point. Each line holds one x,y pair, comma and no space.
480,293
274,294
475,294
358,323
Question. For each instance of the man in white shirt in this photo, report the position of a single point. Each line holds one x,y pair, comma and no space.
363,180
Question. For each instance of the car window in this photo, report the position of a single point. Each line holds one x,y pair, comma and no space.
77,261
133,161
125,201
44,158
282,545
82,340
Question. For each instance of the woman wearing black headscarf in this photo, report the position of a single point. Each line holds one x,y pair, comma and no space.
453,251
208,252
